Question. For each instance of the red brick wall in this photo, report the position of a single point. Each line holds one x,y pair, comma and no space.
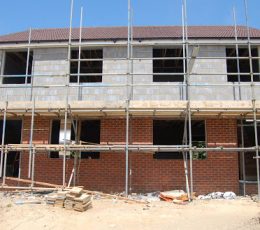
219,172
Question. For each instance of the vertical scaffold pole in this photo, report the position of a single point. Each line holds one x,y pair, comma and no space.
188,96
253,97
127,100
67,96
28,61
242,157
33,166
31,138
3,139
79,53
237,53
5,162
185,122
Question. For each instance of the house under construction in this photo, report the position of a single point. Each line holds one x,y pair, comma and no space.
132,109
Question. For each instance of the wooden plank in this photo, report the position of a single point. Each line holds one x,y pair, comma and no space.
36,182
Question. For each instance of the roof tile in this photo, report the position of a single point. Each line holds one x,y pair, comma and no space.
140,32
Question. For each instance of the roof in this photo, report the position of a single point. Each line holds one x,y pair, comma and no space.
140,32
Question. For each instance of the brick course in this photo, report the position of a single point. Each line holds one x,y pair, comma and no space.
219,172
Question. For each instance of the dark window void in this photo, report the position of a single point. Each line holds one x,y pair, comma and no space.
94,68
249,141
15,65
55,136
244,65
12,136
168,66
90,134
169,132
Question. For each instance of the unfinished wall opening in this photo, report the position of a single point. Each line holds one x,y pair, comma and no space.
15,67
170,132
55,137
12,136
93,67
244,65
88,134
168,66
249,141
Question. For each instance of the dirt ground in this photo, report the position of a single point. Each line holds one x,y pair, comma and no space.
242,213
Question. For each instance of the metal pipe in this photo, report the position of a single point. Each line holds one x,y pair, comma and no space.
243,156
20,165
184,50
28,59
237,52
33,166
3,139
31,138
76,155
67,95
131,95
158,148
161,74
5,161
131,57
184,154
253,97
188,95
125,73
127,101
165,84
256,151
152,110
79,53
122,42
159,58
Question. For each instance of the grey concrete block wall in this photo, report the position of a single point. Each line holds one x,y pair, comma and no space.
118,67
210,70
53,62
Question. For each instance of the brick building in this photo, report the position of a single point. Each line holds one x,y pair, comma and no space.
102,110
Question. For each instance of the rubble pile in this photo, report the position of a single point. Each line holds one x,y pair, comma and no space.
175,196
218,195
147,197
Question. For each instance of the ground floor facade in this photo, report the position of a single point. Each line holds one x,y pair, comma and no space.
148,171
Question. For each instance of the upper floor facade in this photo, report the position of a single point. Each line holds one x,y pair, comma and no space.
157,66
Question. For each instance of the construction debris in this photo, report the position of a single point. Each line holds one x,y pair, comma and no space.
218,195
73,199
145,197
28,201
175,196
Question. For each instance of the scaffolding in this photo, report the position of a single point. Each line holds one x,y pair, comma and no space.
186,108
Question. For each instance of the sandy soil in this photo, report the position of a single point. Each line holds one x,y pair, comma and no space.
237,214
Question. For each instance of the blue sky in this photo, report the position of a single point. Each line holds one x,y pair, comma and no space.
18,15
